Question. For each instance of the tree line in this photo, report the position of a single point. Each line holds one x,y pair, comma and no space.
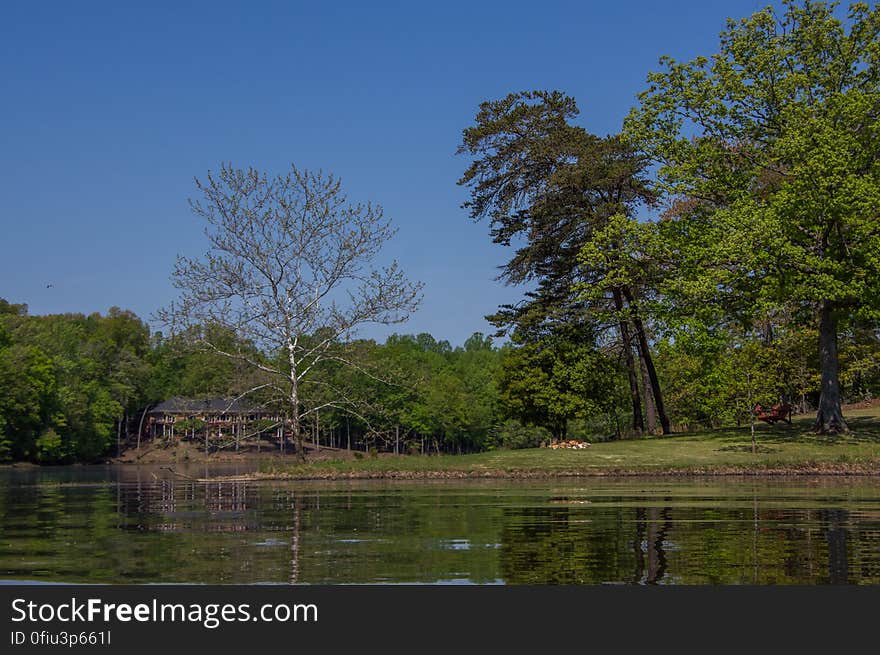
74,386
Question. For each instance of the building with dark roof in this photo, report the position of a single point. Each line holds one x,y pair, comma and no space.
208,418
206,406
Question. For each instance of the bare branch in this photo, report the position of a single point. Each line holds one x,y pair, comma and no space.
291,269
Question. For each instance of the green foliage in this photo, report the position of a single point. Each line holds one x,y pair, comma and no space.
178,368
444,395
188,426
767,153
549,186
860,361
553,378
5,442
50,448
513,435
260,425
715,379
65,381
27,397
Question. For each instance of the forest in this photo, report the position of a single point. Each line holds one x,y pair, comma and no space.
720,253
69,384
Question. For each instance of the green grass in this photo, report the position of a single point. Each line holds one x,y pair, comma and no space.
781,449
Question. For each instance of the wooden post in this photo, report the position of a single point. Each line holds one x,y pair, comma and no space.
751,411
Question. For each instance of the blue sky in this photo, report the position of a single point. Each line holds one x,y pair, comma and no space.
108,112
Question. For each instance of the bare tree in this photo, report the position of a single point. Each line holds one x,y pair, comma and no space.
292,271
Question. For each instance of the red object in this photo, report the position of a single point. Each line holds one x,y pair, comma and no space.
776,413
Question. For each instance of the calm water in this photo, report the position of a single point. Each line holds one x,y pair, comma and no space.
138,525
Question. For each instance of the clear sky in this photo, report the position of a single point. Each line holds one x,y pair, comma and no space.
108,111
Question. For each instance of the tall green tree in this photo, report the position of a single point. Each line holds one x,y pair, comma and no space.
768,149
547,186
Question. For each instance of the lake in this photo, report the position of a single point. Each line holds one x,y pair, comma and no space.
136,524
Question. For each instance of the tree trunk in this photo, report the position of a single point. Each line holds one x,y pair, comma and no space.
141,427
560,431
317,430
638,421
768,332
829,418
645,352
294,404
650,406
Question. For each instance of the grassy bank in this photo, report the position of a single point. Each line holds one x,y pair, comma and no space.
782,449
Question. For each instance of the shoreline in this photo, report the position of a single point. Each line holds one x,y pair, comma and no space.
277,467
841,472
782,451
813,470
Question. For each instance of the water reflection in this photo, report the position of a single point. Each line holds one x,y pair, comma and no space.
836,536
650,544
147,526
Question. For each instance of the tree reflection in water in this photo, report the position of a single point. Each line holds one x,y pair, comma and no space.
656,522
143,528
